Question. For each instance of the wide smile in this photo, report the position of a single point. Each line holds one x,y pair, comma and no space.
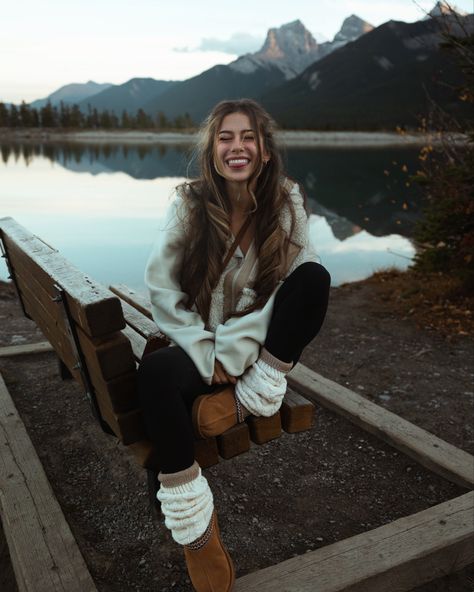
237,163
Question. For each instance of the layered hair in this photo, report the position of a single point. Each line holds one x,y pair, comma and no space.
209,212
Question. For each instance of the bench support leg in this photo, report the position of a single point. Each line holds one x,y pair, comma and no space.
64,372
12,276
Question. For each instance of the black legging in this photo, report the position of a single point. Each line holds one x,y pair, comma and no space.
168,381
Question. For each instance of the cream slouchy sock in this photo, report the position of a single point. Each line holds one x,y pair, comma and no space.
263,385
187,503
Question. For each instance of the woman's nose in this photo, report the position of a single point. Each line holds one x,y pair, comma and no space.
237,145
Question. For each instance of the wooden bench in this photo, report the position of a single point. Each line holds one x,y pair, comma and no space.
100,336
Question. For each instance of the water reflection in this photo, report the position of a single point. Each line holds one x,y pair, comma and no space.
366,187
138,161
101,204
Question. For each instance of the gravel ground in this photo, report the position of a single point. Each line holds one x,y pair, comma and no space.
280,500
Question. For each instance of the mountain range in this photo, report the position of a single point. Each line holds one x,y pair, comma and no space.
386,78
365,77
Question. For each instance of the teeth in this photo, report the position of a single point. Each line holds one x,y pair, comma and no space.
238,161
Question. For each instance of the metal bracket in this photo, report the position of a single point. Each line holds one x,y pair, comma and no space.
80,361
12,277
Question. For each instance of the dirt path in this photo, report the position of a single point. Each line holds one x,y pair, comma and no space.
337,480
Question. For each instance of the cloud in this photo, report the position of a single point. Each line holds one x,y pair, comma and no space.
237,44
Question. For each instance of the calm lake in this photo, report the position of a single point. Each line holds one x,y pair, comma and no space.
102,205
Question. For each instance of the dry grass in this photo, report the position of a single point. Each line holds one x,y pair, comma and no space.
433,300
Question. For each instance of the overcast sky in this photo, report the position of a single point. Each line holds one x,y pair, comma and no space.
45,45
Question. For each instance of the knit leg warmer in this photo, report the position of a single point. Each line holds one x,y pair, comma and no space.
187,503
263,385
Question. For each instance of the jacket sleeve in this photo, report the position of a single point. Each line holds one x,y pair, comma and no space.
168,302
239,339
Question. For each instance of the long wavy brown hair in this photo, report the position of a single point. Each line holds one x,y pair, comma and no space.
209,212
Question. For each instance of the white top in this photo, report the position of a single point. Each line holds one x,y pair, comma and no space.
234,341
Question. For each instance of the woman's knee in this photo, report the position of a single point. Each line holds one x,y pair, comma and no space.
311,278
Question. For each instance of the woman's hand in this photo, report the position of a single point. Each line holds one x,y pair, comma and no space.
220,376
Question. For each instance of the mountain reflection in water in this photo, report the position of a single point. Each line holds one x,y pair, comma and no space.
101,204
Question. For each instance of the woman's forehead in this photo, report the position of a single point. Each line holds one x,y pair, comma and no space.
235,122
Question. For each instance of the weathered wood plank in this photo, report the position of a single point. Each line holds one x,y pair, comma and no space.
206,452
137,321
109,357
435,454
297,413
25,349
52,331
394,558
127,426
109,364
264,429
234,441
136,341
93,307
135,299
44,553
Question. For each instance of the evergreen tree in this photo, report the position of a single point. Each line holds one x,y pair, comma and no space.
3,115
125,121
64,115
161,120
47,115
35,119
25,115
179,122
14,116
143,120
95,119
76,117
105,120
114,121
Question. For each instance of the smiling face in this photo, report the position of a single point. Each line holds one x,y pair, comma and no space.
236,154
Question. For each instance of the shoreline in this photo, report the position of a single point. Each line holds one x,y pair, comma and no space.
287,138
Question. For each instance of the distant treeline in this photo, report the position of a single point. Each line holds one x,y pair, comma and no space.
70,116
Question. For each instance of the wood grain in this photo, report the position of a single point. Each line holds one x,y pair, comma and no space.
25,349
93,307
44,553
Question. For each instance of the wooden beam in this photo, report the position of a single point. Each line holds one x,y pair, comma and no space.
27,348
433,453
44,553
140,323
135,299
136,341
93,307
394,558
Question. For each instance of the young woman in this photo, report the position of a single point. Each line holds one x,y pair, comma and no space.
235,286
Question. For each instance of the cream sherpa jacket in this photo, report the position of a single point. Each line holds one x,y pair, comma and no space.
234,341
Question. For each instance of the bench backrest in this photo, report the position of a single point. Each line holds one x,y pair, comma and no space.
82,320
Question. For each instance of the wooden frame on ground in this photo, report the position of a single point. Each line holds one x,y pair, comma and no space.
43,550
403,554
